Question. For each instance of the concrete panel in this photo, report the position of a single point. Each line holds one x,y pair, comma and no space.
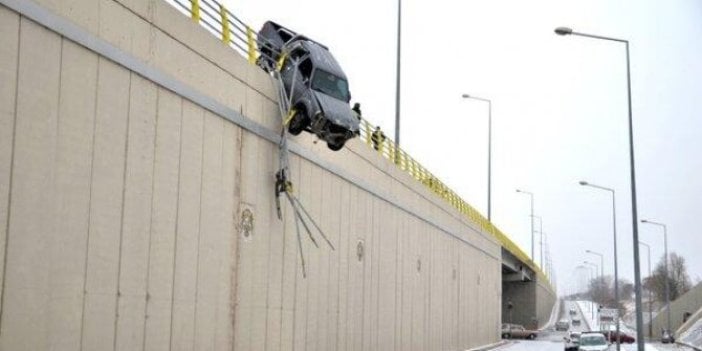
136,218
187,229
163,222
228,239
102,265
9,52
24,323
73,166
211,225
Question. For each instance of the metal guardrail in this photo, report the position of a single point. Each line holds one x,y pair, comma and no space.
235,33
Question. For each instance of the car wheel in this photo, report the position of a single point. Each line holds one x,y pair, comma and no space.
532,336
298,123
336,145
505,336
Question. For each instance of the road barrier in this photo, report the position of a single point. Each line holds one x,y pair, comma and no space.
239,36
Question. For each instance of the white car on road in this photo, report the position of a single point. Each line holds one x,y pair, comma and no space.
593,342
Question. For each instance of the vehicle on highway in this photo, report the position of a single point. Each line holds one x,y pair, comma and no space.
624,338
314,82
572,312
593,342
575,321
562,325
667,337
516,331
572,341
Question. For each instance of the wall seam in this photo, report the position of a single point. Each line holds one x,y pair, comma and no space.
121,222
175,233
90,200
12,167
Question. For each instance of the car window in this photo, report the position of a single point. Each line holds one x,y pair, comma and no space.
331,85
598,340
305,68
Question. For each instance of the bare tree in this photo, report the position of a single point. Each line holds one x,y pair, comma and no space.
678,279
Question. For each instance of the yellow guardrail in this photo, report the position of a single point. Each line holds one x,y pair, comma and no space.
238,35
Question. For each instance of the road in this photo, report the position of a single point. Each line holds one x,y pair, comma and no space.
551,340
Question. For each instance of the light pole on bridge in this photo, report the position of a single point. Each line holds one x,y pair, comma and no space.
667,283
531,197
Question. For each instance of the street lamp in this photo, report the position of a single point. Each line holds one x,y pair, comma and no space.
616,265
541,239
489,191
634,214
531,196
650,296
601,260
593,265
397,78
667,283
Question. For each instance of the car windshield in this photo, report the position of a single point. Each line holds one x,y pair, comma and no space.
331,85
593,341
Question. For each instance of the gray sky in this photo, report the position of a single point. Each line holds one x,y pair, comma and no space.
559,108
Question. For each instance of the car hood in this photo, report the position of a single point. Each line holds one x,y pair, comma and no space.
337,111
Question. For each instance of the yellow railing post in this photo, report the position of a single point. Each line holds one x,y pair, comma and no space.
251,45
226,35
195,10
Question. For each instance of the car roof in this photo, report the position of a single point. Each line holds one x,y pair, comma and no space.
323,59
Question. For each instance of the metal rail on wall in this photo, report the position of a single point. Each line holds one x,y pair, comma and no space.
239,36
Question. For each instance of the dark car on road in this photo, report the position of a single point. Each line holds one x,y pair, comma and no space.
623,337
562,325
314,82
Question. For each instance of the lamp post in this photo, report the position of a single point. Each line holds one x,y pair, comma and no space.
541,239
616,264
667,283
593,265
601,260
634,212
397,77
650,296
531,196
489,180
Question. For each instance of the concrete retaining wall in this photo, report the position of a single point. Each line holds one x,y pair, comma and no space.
122,188
690,302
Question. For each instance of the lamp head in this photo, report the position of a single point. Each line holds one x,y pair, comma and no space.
588,251
582,182
465,96
519,191
563,31
644,221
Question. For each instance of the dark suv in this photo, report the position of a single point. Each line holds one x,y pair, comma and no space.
314,81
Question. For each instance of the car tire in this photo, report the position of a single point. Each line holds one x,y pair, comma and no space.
336,146
505,336
532,336
298,123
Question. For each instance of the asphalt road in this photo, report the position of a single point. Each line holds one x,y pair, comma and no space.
551,340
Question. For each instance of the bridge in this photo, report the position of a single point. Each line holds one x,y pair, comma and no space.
138,147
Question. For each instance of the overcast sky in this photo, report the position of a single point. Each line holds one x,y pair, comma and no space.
559,108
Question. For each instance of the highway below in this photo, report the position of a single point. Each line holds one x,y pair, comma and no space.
551,340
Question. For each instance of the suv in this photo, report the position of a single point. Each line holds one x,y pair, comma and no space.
593,342
314,81
562,325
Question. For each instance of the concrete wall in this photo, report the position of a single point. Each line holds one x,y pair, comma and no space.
532,302
121,194
690,302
